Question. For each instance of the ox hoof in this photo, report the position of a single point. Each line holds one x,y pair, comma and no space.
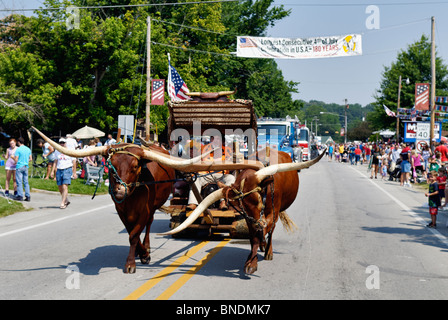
129,269
268,256
250,269
145,260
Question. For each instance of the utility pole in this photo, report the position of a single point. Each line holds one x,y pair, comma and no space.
148,79
345,116
398,107
433,83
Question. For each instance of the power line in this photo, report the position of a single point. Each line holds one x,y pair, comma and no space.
193,28
228,55
362,4
397,25
121,6
194,50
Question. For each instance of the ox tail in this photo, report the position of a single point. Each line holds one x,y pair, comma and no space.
287,222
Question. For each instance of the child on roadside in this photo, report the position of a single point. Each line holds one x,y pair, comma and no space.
434,162
433,198
383,165
441,181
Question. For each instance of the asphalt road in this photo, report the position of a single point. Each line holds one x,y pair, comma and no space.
357,239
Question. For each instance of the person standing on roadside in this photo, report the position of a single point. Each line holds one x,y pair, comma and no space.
341,152
64,165
358,154
433,198
330,152
10,167
367,152
22,157
405,166
72,144
376,157
443,149
47,153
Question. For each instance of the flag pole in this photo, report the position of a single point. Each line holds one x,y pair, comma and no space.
433,84
169,76
148,79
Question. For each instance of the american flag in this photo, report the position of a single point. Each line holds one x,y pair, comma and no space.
157,92
177,89
247,43
422,96
389,112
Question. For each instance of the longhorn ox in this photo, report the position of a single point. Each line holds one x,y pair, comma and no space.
262,197
133,175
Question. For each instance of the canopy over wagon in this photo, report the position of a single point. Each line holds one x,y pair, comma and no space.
214,111
205,115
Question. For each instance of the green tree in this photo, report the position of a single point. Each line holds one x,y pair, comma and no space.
413,63
28,98
333,117
360,131
91,74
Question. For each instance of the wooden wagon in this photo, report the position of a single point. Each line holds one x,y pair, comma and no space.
194,120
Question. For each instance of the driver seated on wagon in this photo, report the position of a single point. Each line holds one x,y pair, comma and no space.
206,177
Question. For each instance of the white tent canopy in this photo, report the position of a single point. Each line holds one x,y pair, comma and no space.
385,133
88,133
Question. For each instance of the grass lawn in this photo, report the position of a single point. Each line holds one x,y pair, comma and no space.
78,186
9,208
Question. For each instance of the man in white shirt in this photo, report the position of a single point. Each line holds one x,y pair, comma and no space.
110,141
64,165
72,144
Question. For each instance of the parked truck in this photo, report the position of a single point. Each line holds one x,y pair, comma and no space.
286,135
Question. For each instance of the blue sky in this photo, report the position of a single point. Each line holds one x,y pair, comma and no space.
356,78
401,22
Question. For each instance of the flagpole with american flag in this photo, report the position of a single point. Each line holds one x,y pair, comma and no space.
177,88
148,78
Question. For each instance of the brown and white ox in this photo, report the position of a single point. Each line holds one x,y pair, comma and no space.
135,174
262,197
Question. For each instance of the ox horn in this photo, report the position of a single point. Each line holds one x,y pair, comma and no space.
171,162
207,202
282,167
73,153
150,155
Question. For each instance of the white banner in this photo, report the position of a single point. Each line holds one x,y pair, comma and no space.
299,48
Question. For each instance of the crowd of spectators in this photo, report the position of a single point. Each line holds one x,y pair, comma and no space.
398,162
392,161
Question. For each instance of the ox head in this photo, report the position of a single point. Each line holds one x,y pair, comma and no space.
247,186
125,161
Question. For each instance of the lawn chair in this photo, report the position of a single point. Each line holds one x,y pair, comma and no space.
92,174
39,170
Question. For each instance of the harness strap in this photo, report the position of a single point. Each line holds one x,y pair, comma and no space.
259,224
123,150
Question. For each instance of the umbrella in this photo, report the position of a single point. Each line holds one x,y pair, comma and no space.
87,133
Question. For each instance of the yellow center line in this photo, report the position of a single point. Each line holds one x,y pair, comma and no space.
162,274
190,273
